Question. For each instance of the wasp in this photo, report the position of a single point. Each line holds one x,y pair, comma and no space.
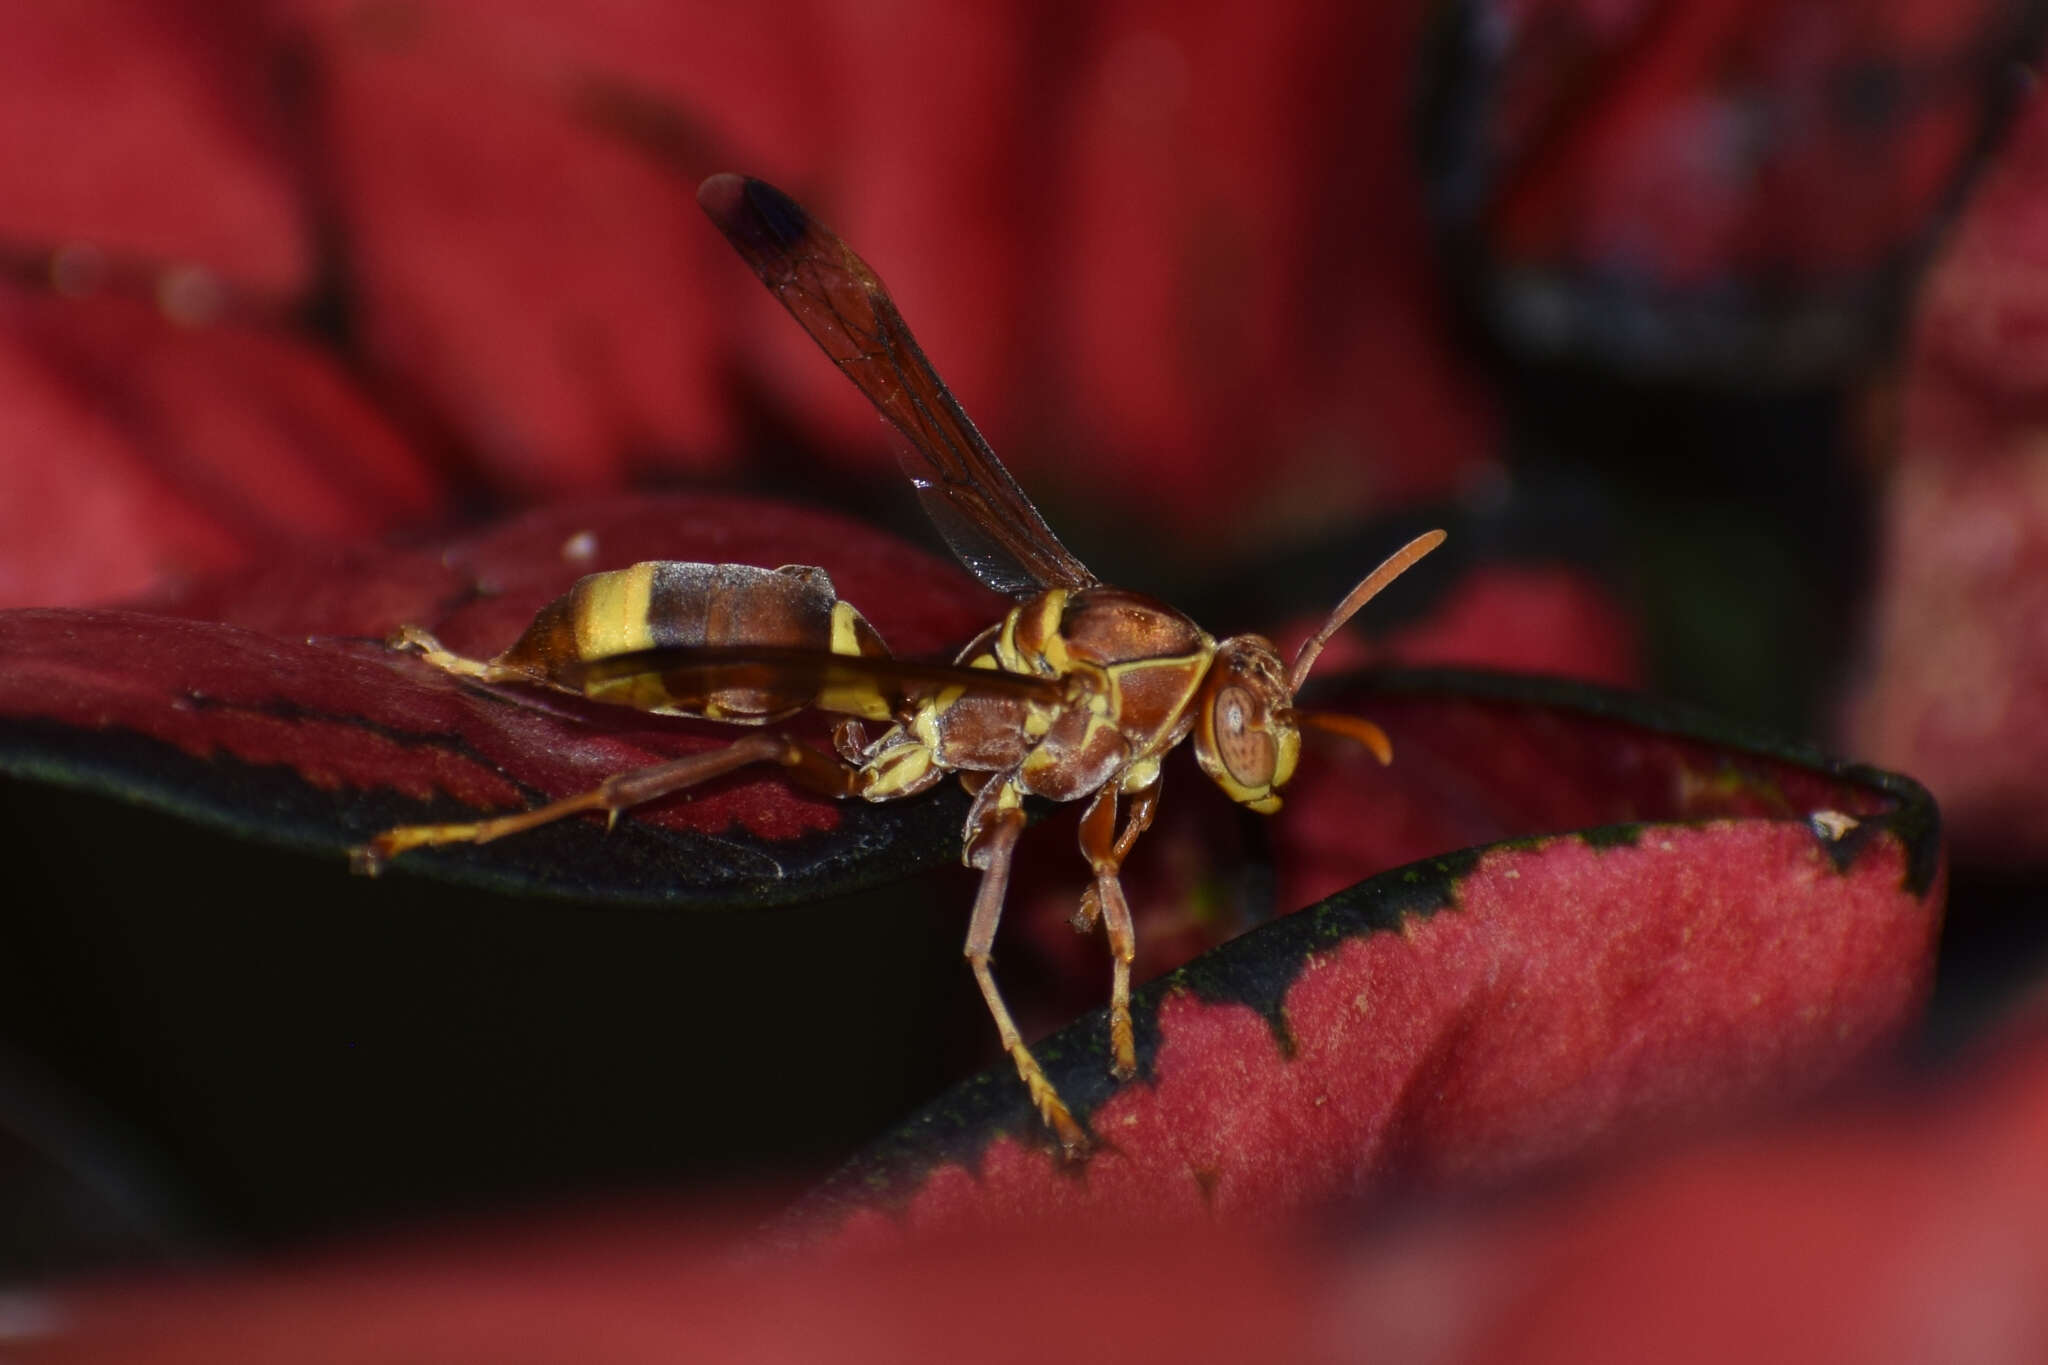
1077,694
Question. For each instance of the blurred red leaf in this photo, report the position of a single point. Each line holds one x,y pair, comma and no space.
1958,690
1244,226
144,451
1887,1232
520,274
149,129
1522,618
1719,189
1884,1231
507,254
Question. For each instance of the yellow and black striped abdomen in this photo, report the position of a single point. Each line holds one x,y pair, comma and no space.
664,604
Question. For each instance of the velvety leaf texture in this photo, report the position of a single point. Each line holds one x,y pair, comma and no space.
1742,923
267,703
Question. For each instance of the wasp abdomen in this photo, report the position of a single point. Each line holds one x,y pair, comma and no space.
662,604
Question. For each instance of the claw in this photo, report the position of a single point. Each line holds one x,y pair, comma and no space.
1123,1046
1074,1143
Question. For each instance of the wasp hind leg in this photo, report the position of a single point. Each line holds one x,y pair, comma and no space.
432,651
1105,849
993,827
805,767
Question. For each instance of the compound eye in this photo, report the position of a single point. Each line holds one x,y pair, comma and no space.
1242,743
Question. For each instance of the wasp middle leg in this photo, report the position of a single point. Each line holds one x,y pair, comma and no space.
1105,849
804,766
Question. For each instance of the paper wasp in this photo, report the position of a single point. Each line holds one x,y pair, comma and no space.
1078,693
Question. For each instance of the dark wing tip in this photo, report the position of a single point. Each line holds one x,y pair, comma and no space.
753,213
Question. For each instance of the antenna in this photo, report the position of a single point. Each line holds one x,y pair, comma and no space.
1390,569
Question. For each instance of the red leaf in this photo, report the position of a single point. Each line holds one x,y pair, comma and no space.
1716,188
139,450
503,197
284,667
1959,688
143,128
1761,923
1873,1234
522,274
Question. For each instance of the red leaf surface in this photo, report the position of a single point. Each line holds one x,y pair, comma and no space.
1958,691
138,450
282,672
1746,924
519,272
143,129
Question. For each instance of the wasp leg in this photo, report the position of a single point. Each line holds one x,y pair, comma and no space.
806,768
993,830
432,651
1105,899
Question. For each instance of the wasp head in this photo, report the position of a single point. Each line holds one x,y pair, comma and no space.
1247,730
1245,735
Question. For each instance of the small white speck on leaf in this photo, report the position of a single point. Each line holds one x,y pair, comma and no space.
1832,824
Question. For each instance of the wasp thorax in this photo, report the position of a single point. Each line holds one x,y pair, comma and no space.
1245,736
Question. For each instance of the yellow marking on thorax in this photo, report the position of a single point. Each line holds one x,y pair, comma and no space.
1005,645
844,641
611,613
1012,658
1056,655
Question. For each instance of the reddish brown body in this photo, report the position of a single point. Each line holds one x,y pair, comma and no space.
1132,666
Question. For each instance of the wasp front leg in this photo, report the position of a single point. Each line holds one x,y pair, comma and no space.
805,767
1105,849
993,825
